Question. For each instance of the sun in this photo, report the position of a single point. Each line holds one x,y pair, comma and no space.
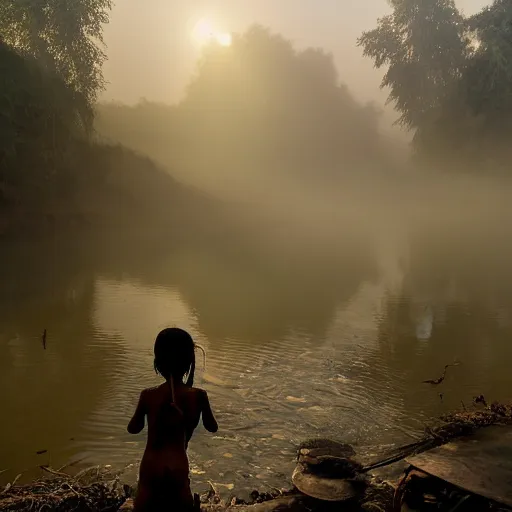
205,32
224,38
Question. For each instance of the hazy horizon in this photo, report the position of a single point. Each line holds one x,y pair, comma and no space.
152,54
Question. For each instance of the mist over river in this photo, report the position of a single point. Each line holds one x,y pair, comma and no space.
326,332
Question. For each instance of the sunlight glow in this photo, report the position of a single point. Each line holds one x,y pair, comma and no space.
224,39
204,32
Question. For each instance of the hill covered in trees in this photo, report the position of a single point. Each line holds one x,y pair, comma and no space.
256,108
52,171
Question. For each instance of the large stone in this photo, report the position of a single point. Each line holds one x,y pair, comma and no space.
321,488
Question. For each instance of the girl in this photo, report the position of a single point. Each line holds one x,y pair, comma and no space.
173,410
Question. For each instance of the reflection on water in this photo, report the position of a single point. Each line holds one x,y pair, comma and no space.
328,342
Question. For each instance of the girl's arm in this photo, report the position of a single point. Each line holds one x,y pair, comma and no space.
209,421
137,422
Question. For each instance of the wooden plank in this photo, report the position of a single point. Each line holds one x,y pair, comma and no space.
480,464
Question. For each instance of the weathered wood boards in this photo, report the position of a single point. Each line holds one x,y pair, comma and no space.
480,464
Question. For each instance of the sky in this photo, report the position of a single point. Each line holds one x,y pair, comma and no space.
152,52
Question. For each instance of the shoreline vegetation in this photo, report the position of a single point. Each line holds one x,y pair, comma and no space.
100,488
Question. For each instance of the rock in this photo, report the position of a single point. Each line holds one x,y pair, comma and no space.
321,488
328,458
326,447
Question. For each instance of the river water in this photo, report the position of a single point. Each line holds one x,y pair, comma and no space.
318,336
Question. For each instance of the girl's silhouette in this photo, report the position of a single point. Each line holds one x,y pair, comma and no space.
173,410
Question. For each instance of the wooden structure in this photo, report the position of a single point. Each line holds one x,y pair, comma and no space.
480,464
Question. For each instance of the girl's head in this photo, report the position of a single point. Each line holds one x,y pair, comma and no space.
175,355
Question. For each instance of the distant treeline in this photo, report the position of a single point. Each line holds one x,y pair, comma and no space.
261,107
257,106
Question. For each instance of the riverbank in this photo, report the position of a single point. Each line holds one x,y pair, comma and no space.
99,488
104,187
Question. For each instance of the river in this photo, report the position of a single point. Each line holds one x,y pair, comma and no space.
329,337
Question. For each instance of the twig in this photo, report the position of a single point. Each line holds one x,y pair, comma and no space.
480,400
56,473
82,473
10,485
43,339
438,381
214,489
70,487
279,492
70,464
461,502
398,494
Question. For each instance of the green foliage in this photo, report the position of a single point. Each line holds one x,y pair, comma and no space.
65,37
38,118
489,71
50,169
450,78
50,74
424,46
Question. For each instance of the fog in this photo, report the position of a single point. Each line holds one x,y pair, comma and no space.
297,141
165,32
277,123
243,177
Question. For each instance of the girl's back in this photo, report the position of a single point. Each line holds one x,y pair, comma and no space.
172,420
173,411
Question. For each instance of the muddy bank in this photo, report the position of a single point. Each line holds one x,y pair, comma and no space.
99,488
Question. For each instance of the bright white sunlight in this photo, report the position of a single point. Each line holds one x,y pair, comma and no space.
205,32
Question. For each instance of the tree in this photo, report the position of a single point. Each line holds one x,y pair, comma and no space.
424,45
65,37
450,78
487,82
38,118
262,102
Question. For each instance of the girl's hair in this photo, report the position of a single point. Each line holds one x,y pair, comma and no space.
175,355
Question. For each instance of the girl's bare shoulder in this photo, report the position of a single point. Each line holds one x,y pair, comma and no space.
151,391
197,391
